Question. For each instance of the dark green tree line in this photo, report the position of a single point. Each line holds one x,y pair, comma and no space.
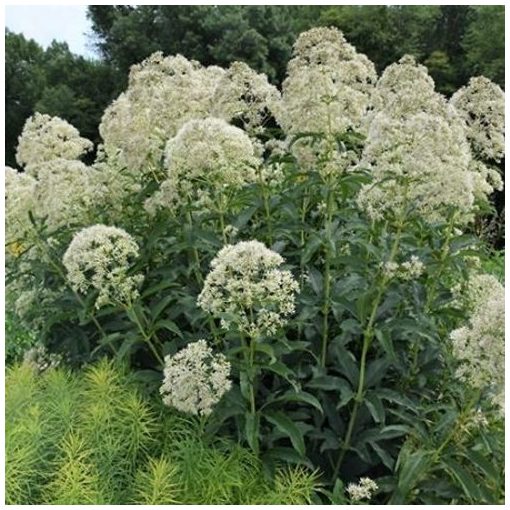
53,81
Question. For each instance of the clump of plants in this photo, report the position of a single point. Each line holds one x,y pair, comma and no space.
293,269
92,438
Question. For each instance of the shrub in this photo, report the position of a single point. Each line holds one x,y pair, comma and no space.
320,239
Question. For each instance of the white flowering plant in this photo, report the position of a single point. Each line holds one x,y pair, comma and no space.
319,237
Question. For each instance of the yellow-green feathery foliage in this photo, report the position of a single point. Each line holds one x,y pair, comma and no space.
63,430
90,438
157,484
39,411
116,426
76,479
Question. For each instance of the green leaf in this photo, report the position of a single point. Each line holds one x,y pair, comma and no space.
127,346
316,280
394,431
347,364
376,371
329,382
285,425
282,370
466,481
386,342
252,425
160,307
311,247
301,396
169,325
281,453
375,406
386,458
482,464
266,349
165,284
412,467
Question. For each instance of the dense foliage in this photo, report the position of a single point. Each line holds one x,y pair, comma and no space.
295,269
94,439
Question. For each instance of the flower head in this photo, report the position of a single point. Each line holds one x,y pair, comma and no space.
195,379
479,346
409,270
163,93
363,490
247,290
405,88
482,106
328,84
46,138
245,95
19,202
205,159
417,148
100,257
67,192
420,161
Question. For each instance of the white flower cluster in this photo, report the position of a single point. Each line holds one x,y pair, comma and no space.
163,94
421,161
245,95
408,270
328,84
67,192
39,359
46,138
405,88
99,257
247,290
56,187
195,379
203,160
478,289
480,345
19,201
363,490
482,106
418,152
476,420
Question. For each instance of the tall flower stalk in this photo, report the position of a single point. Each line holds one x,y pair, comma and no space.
368,335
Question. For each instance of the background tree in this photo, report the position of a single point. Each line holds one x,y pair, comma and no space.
53,81
484,42
24,79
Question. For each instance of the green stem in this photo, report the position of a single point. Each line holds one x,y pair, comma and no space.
465,412
327,277
200,279
252,374
201,424
249,357
445,249
131,312
265,199
221,216
368,335
304,208
196,257
222,228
